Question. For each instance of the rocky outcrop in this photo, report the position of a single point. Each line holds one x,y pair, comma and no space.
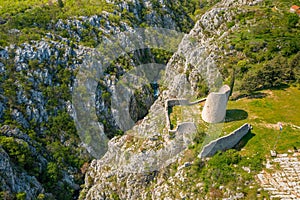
42,73
134,160
14,179
148,145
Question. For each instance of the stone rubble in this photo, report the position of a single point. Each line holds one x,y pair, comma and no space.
282,183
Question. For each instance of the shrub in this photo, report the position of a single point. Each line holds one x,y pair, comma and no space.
21,196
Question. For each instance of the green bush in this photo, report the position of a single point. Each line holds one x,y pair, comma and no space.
18,151
21,196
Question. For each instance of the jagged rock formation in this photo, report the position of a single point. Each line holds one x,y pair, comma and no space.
35,71
148,145
38,72
214,110
13,179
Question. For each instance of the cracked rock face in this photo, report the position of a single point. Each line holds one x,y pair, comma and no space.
130,178
55,52
13,179
151,138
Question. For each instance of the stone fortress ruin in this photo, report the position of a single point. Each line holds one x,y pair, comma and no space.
214,111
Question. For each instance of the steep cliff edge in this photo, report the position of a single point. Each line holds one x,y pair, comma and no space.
45,43
40,55
143,163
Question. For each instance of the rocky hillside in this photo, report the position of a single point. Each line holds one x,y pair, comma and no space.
42,46
146,162
150,163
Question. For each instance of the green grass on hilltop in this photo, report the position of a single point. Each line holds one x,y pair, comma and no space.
263,110
264,114
227,169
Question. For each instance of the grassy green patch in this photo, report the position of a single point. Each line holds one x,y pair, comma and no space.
227,169
35,18
264,115
263,112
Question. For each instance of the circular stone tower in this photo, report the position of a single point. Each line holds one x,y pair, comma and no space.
214,110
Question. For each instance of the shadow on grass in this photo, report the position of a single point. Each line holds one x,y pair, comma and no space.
282,86
257,95
235,115
244,141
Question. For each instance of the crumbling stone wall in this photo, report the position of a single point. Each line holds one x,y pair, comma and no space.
225,142
175,102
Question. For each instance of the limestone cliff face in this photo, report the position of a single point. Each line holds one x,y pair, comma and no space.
12,179
136,164
36,70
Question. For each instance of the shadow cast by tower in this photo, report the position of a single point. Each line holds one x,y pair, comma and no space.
235,115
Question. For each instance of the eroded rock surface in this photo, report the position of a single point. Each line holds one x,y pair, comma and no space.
135,160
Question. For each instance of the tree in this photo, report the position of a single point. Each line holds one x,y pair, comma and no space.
232,81
60,3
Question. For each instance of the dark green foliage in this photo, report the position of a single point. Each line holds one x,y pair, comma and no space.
266,49
230,24
202,87
273,74
232,81
53,173
60,3
18,151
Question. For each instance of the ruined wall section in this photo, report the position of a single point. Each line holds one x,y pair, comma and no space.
225,142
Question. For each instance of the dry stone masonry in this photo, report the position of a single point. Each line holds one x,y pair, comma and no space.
224,143
183,102
284,183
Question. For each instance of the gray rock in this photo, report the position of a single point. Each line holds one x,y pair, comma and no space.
14,181
124,169
19,117
3,53
2,108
